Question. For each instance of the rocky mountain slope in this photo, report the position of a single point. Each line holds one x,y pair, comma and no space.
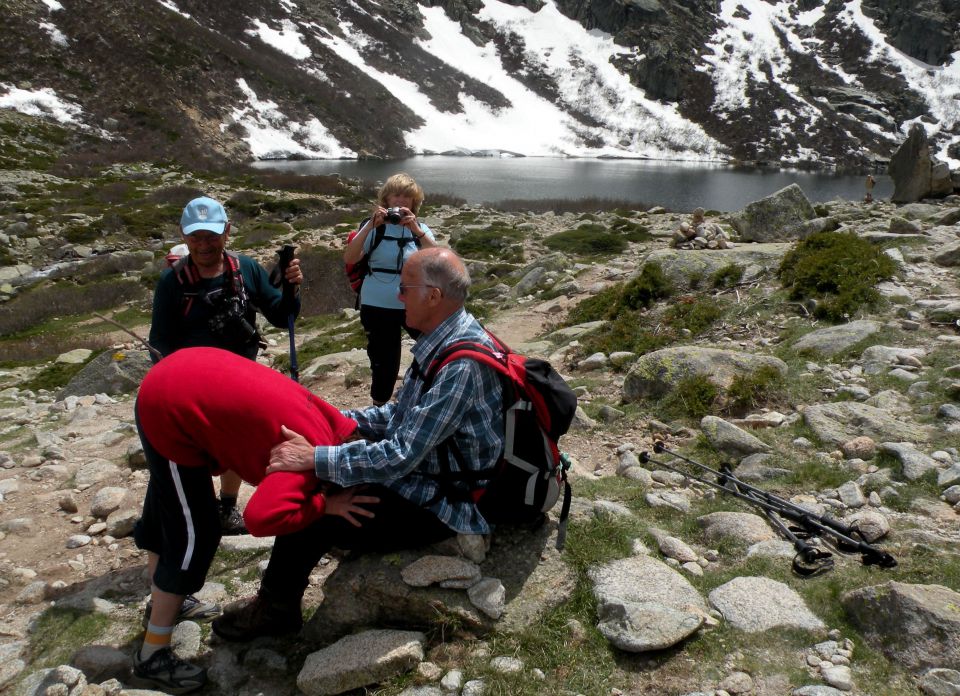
821,82
665,586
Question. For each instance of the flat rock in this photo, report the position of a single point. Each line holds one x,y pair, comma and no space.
359,660
836,423
643,604
741,527
915,625
756,604
914,462
835,339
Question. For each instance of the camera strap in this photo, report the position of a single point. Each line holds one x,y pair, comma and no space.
189,278
402,241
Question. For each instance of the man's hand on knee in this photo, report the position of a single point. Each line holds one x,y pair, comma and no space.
346,502
294,454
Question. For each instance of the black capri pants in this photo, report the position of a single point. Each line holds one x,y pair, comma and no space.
180,522
383,328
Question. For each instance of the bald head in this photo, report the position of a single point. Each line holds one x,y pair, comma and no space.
443,269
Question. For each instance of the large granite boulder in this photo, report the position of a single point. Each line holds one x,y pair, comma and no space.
779,216
915,172
836,423
111,372
687,267
917,626
370,590
656,373
835,339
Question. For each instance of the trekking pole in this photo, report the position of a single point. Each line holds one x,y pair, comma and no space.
848,538
727,475
286,256
809,560
809,522
153,351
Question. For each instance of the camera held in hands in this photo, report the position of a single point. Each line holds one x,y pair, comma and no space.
394,215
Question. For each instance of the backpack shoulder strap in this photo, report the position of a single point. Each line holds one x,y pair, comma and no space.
185,272
378,236
471,350
188,278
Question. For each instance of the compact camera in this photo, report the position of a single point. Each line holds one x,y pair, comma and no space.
394,215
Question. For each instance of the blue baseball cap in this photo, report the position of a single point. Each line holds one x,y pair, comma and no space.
203,214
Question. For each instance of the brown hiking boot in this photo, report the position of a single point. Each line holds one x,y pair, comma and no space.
257,616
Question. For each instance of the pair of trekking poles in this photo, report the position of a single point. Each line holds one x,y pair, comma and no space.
810,559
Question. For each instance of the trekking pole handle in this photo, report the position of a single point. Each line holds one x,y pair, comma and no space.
286,254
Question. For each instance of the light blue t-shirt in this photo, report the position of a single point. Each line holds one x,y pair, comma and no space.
380,288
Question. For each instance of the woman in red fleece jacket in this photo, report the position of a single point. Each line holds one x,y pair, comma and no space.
196,408
201,406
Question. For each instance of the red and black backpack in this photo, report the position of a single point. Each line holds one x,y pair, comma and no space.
538,407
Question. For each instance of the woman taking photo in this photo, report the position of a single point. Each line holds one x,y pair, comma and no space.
387,239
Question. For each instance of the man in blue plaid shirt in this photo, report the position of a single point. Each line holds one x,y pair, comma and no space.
398,460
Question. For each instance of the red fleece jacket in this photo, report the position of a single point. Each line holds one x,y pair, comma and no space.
209,407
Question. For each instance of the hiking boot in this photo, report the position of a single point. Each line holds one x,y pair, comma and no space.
166,671
231,521
192,609
257,616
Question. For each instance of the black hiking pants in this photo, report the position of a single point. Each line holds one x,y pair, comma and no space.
397,524
384,330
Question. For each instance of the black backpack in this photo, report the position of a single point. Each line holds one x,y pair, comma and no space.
538,408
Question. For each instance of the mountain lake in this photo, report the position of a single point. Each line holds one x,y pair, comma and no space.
679,186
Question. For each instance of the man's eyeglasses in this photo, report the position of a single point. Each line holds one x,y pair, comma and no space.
404,288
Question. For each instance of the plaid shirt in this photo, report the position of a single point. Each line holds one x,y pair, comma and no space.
465,401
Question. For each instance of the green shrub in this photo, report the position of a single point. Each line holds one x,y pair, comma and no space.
839,270
728,276
325,184
630,230
566,205
694,396
54,376
259,233
586,241
626,332
603,305
652,284
175,195
498,241
696,315
762,387
32,308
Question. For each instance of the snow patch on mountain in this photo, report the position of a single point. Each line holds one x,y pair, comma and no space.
287,40
40,102
272,135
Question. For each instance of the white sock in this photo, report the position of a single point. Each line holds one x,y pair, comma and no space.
156,638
